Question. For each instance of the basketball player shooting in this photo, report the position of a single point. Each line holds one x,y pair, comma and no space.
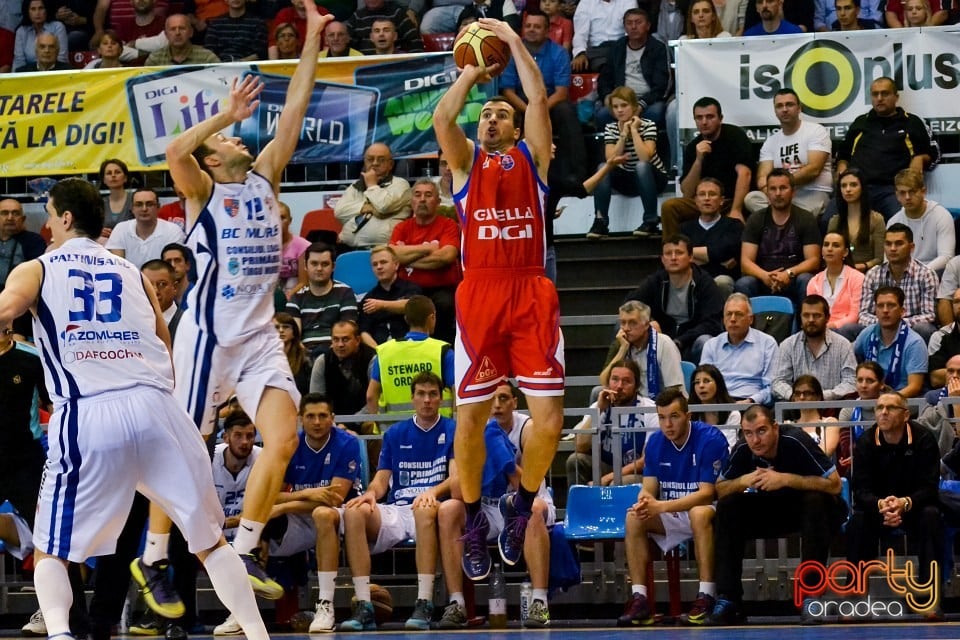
508,315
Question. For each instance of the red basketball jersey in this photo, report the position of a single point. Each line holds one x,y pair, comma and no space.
501,212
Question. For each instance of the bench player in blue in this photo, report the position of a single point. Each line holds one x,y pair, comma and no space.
115,428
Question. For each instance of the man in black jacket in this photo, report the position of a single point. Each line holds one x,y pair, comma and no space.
637,50
715,238
896,474
684,301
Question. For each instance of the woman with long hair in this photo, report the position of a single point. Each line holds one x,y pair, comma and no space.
917,13
864,227
37,19
839,283
870,386
118,203
296,353
709,387
703,22
807,388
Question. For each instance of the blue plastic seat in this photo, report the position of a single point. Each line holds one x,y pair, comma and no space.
774,304
598,513
353,268
688,368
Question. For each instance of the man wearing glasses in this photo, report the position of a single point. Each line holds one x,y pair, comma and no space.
776,482
143,238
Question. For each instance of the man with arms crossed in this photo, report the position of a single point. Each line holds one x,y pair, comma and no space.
101,395
226,343
507,309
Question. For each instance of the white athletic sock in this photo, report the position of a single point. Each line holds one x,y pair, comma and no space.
156,548
361,587
639,588
540,594
229,579
458,598
425,586
248,536
54,595
326,585
709,588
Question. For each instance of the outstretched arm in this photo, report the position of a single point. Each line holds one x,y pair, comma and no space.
20,293
456,148
275,156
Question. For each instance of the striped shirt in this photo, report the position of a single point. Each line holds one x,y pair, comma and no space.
361,23
319,313
237,38
648,131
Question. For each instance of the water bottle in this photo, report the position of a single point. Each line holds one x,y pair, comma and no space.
497,605
526,597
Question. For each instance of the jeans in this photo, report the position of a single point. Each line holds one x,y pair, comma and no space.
441,19
796,291
644,181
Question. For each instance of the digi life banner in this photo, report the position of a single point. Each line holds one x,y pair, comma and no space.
70,121
831,73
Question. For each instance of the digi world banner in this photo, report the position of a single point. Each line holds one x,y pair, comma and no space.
831,73
68,122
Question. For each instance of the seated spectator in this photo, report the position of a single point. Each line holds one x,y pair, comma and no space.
870,385
621,391
676,502
743,355
917,283
77,17
648,64
781,245
144,237
703,22
504,10
715,238
561,27
821,428
839,284
232,461
343,373
846,15
932,225
7,40
939,416
17,245
109,50
796,12
383,36
418,448
372,206
322,301
945,342
864,227
321,475
361,22
668,20
293,269
427,246
657,359
337,39
201,12
127,20
237,36
295,15
708,387
396,360
720,151
179,49
815,350
915,13
160,275
685,303
181,259
777,481
803,149
895,486
297,356
893,344
772,22
118,204
287,43
443,16
596,24
382,309
46,53
642,174
36,20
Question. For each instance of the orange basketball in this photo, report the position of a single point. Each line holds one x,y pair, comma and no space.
481,48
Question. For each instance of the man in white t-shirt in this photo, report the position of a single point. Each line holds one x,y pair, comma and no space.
803,149
143,238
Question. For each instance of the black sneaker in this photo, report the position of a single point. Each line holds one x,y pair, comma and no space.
726,613
263,585
599,229
157,590
636,613
149,624
174,632
647,230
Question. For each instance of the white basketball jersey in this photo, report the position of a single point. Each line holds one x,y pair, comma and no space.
521,420
95,326
237,245
230,489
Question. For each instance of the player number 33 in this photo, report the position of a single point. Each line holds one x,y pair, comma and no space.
97,296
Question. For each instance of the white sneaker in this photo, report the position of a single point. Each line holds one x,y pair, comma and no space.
323,620
228,627
35,626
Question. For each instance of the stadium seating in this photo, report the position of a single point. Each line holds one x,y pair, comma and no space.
322,224
433,42
354,269
688,368
765,312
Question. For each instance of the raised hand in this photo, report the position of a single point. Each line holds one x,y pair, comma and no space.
243,97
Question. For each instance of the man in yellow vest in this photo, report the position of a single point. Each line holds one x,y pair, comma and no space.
398,361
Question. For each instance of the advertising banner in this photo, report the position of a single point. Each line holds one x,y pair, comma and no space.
66,122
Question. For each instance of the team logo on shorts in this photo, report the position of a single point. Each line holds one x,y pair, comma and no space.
231,206
487,371
506,162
